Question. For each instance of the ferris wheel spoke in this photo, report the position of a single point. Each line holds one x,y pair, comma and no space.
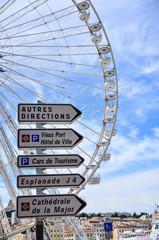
55,38
40,96
6,87
65,88
55,90
55,50
48,72
37,34
61,87
39,22
51,60
55,75
69,80
22,12
8,101
6,5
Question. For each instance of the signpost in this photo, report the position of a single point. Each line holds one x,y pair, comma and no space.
48,113
108,227
41,206
63,138
49,161
48,205
49,180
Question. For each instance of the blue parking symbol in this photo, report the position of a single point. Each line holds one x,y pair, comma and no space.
35,138
108,226
24,161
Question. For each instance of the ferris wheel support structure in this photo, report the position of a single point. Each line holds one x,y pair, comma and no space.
46,56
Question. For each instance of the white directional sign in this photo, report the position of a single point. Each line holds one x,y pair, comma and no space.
48,113
49,161
48,205
63,138
49,180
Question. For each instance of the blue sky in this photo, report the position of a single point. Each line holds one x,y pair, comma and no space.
129,181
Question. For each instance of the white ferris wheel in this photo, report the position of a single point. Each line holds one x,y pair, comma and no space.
57,52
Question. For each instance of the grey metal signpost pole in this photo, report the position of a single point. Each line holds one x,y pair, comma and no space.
39,191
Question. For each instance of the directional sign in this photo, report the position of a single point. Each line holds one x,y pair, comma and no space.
63,138
48,205
49,180
108,226
48,113
49,161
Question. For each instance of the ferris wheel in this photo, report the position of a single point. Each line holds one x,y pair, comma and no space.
58,52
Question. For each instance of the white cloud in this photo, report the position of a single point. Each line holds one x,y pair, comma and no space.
129,181
152,67
156,131
134,192
133,152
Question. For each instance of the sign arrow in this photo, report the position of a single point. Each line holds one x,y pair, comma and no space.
63,138
48,113
49,180
49,161
48,205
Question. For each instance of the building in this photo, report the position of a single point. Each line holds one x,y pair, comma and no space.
19,236
56,230
123,228
69,235
89,232
124,214
108,214
97,229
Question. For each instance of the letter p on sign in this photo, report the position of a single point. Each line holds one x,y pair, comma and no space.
24,161
35,138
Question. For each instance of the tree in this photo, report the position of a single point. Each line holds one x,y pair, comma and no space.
99,215
114,214
135,215
143,213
